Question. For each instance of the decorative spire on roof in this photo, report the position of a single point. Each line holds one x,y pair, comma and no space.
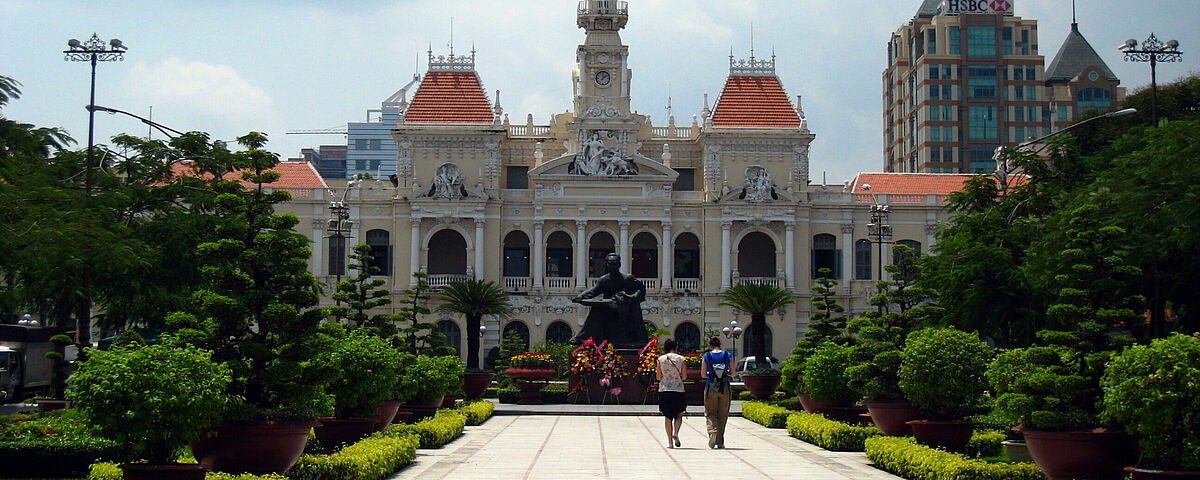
752,67
452,63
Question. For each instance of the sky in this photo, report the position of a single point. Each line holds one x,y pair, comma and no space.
230,67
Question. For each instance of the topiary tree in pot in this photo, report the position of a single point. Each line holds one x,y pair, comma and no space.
426,380
1154,391
825,379
152,399
942,374
825,325
367,369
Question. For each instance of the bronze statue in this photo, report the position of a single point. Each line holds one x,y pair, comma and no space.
615,308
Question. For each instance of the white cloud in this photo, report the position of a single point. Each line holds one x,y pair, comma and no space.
204,88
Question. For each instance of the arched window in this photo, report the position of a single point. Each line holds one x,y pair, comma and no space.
644,263
381,252
558,255
916,252
599,247
756,256
516,254
687,335
825,254
687,256
453,334
447,253
749,334
520,329
1093,98
559,332
862,260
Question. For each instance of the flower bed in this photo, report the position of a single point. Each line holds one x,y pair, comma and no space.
903,456
769,416
58,444
828,434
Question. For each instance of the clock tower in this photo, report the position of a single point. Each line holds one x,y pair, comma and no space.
602,72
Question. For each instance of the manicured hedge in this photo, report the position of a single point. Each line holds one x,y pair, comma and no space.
33,458
374,458
828,434
477,412
904,457
769,416
985,443
775,397
434,432
508,395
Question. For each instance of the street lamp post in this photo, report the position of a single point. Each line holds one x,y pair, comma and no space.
93,50
879,229
1153,50
1004,169
338,227
733,332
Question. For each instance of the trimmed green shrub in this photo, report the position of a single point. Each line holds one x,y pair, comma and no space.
829,434
374,458
430,378
554,393
508,395
766,415
492,392
904,457
985,443
434,432
110,471
34,458
778,396
942,372
368,369
824,374
476,412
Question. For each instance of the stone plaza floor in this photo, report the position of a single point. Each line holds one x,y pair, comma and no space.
565,442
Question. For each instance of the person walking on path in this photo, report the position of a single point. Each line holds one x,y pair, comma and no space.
670,390
717,394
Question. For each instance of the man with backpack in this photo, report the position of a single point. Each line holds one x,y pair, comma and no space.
717,393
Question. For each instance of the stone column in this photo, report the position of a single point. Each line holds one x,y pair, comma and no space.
930,237
539,255
623,248
847,253
580,254
415,250
478,249
726,269
789,246
667,254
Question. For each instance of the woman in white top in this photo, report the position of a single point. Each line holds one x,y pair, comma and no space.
670,390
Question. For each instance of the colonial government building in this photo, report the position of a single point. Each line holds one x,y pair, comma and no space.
691,209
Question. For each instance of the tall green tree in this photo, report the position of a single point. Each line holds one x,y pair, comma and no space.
418,337
757,300
474,299
362,292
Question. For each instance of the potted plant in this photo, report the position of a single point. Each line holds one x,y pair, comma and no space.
152,399
942,374
425,382
474,299
367,369
1054,392
1154,391
529,372
58,374
824,377
825,326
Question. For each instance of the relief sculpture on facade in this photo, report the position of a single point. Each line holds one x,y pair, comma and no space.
595,158
447,182
759,187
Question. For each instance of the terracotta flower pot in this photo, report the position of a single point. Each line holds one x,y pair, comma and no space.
891,416
475,384
692,374
259,448
951,435
402,416
1081,454
384,413
762,386
530,373
171,471
448,402
812,406
334,433
1138,473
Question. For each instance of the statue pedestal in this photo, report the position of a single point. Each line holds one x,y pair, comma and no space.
632,391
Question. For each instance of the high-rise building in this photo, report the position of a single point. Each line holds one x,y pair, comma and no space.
1078,80
963,78
329,160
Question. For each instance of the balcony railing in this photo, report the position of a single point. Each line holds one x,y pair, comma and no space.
650,283
692,284
442,279
560,283
772,281
516,283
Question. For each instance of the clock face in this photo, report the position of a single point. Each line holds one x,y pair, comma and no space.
602,78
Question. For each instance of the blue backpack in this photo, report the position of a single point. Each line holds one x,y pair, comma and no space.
718,373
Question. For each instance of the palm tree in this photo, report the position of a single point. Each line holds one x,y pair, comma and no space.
474,298
757,299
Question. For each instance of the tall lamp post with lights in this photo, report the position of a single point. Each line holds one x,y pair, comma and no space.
338,228
93,50
1153,50
879,229
732,332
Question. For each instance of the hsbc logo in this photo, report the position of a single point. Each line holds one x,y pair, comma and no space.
977,6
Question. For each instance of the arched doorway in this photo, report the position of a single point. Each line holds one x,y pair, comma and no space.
687,256
599,247
516,254
558,255
381,252
687,335
767,340
520,330
644,261
559,332
453,334
447,253
756,256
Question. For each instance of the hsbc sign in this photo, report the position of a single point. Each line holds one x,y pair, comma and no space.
954,7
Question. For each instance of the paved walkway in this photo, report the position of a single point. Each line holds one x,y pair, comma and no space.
575,444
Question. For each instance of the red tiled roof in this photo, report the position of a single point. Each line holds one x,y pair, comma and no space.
916,183
450,97
754,101
292,175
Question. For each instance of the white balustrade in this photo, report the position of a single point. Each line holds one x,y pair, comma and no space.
692,284
442,279
516,283
560,282
772,281
649,283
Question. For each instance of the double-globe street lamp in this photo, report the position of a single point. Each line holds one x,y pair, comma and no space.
1153,50
93,50
1004,168
879,229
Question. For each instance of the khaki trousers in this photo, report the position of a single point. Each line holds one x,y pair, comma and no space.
716,414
